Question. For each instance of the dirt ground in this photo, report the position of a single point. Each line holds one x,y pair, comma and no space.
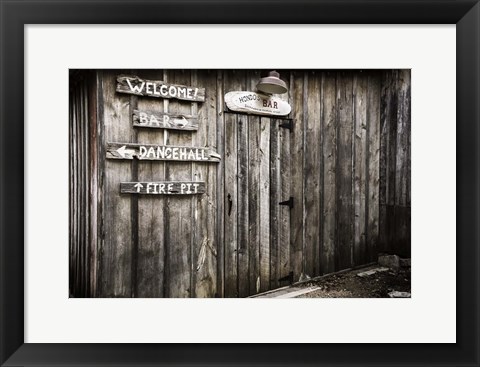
350,285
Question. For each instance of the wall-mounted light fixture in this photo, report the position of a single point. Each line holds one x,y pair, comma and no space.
272,84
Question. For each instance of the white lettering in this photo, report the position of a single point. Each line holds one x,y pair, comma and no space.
153,120
182,91
151,152
161,152
166,120
163,90
172,91
143,118
175,153
143,151
195,187
137,88
148,88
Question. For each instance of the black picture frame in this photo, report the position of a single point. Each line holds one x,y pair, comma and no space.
15,14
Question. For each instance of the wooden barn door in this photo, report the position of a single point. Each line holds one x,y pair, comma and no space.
257,226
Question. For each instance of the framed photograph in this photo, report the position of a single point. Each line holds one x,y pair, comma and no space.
239,183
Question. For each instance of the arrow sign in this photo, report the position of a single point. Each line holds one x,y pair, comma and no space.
163,188
138,186
125,153
163,120
153,152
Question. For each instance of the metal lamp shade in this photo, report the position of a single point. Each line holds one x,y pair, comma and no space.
272,84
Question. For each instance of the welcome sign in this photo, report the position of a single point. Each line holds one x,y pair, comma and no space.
157,88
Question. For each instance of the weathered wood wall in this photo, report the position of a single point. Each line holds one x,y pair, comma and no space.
395,158
345,163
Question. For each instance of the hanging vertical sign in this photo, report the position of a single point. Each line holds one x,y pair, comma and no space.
156,88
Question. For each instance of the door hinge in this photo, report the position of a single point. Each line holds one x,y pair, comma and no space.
288,124
288,202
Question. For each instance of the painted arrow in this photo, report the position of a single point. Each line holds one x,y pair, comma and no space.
124,152
138,186
180,122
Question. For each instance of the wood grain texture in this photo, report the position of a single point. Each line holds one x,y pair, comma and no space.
116,262
179,208
264,197
329,157
234,80
274,200
297,161
311,182
220,192
242,200
151,222
348,99
254,203
205,242
373,159
360,162
346,163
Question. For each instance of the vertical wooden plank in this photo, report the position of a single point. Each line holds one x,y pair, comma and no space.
388,160
254,203
231,205
235,80
264,182
403,113
86,202
274,200
117,250
373,142
94,169
345,123
297,161
311,182
151,246
71,183
101,181
204,210
74,239
242,194
220,181
402,178
254,193
179,209
81,146
285,193
327,253
360,162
